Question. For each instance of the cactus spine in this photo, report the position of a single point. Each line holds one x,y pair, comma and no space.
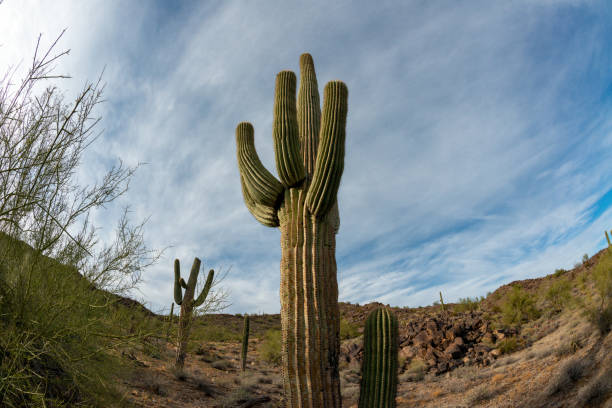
309,155
245,342
187,303
379,368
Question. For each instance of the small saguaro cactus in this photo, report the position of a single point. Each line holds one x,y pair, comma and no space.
187,304
379,368
608,239
302,202
442,302
170,318
245,342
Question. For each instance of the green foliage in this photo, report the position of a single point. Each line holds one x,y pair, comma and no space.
270,348
560,272
559,294
53,326
379,368
508,345
348,330
468,304
585,259
518,307
600,314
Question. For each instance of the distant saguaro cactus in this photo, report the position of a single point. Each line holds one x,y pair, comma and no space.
442,302
170,318
379,368
245,342
187,304
309,155
608,239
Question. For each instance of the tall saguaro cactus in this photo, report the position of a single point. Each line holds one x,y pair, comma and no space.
187,303
379,369
309,155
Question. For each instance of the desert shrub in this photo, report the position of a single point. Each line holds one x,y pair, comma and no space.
597,389
223,365
569,372
480,394
560,272
270,347
585,259
415,371
347,330
468,304
518,307
508,345
558,294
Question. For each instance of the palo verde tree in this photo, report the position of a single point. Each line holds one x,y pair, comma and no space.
50,256
309,155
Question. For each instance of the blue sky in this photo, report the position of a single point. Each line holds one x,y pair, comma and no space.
478,135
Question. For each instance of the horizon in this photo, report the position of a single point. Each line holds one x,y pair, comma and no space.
476,148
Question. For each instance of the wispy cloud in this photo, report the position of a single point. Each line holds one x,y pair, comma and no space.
476,140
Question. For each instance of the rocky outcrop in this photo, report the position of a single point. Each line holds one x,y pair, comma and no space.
443,341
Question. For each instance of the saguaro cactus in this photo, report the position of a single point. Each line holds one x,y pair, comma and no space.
187,304
309,155
170,319
379,369
245,342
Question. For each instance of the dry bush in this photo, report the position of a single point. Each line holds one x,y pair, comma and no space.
569,372
597,389
480,394
224,365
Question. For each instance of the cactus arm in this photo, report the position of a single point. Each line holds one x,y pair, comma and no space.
264,214
183,284
608,239
308,113
263,187
193,275
207,286
330,158
178,293
285,130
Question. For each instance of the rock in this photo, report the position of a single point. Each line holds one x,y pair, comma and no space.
459,341
495,353
422,339
454,351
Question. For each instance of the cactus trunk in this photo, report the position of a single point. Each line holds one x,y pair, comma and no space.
184,327
309,308
379,369
309,154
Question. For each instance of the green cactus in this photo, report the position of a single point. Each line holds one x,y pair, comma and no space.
170,318
442,302
379,368
245,342
309,154
187,304
608,239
